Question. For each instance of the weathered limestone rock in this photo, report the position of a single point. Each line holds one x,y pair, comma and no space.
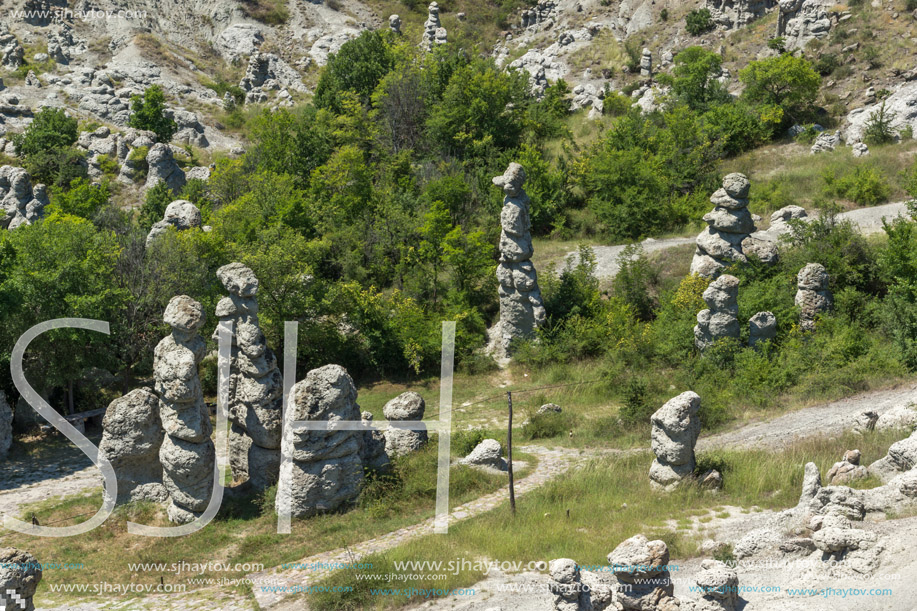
20,202
898,417
256,385
860,149
180,214
131,438
269,72
372,454
12,55
825,142
902,456
550,408
800,21
720,319
812,296
573,593
737,13
729,230
780,219
847,470
406,407
327,470
720,587
187,453
646,63
486,454
676,427
762,327
433,32
163,168
6,426
521,306
394,23
635,562
20,574
543,13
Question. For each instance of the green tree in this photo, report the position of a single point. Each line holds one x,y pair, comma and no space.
157,199
695,78
357,67
50,131
698,22
787,82
149,112
84,199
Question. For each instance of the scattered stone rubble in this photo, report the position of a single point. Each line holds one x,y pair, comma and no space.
860,149
6,426
847,470
521,307
825,142
327,472
20,574
488,453
720,319
162,167
813,296
114,146
180,214
898,417
762,327
720,585
63,46
727,238
737,13
433,32
676,427
255,402
21,203
407,407
635,562
187,453
132,435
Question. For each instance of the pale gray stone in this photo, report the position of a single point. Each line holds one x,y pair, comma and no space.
20,572
676,427
762,327
406,407
813,296
488,453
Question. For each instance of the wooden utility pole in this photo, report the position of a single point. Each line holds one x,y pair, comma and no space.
509,453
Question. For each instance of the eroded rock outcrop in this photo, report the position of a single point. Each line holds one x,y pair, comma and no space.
20,574
21,203
762,327
800,21
812,296
327,472
676,426
737,13
187,453
12,55
433,31
373,454
847,469
132,436
728,232
162,167
180,214
268,72
255,402
6,426
408,407
641,569
720,587
720,319
574,592
521,306
488,453
901,457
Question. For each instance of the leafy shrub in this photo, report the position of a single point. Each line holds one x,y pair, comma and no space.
148,112
807,135
463,442
786,82
865,186
635,410
82,199
698,22
575,291
154,205
636,281
878,129
906,133
826,64
777,43
108,165
357,67
50,131
547,425
664,14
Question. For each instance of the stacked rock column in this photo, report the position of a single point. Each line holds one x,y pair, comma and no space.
187,453
720,320
812,296
406,407
255,402
521,306
641,570
676,427
327,471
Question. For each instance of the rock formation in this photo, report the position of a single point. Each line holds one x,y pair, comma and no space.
131,439
6,426
728,232
720,319
900,110
800,21
762,327
20,574
737,13
676,427
180,214
268,72
256,385
780,219
394,24
902,456
488,453
20,202
825,142
327,471
641,568
406,407
187,453
547,408
162,167
12,55
372,454
543,12
572,593
720,586
860,149
847,470
646,63
813,296
521,307
433,32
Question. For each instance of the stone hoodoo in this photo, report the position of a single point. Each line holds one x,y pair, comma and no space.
762,327
572,593
433,32
542,12
676,427
255,402
12,55
187,453
327,471
521,306
163,168
131,439
407,407
813,296
641,569
737,13
728,234
373,452
720,320
20,202
180,214
720,587
847,470
394,23
800,21
20,574
6,426
646,63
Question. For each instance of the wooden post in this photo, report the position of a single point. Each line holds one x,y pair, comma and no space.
509,453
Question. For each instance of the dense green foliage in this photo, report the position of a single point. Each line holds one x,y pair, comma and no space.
698,21
46,147
149,112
